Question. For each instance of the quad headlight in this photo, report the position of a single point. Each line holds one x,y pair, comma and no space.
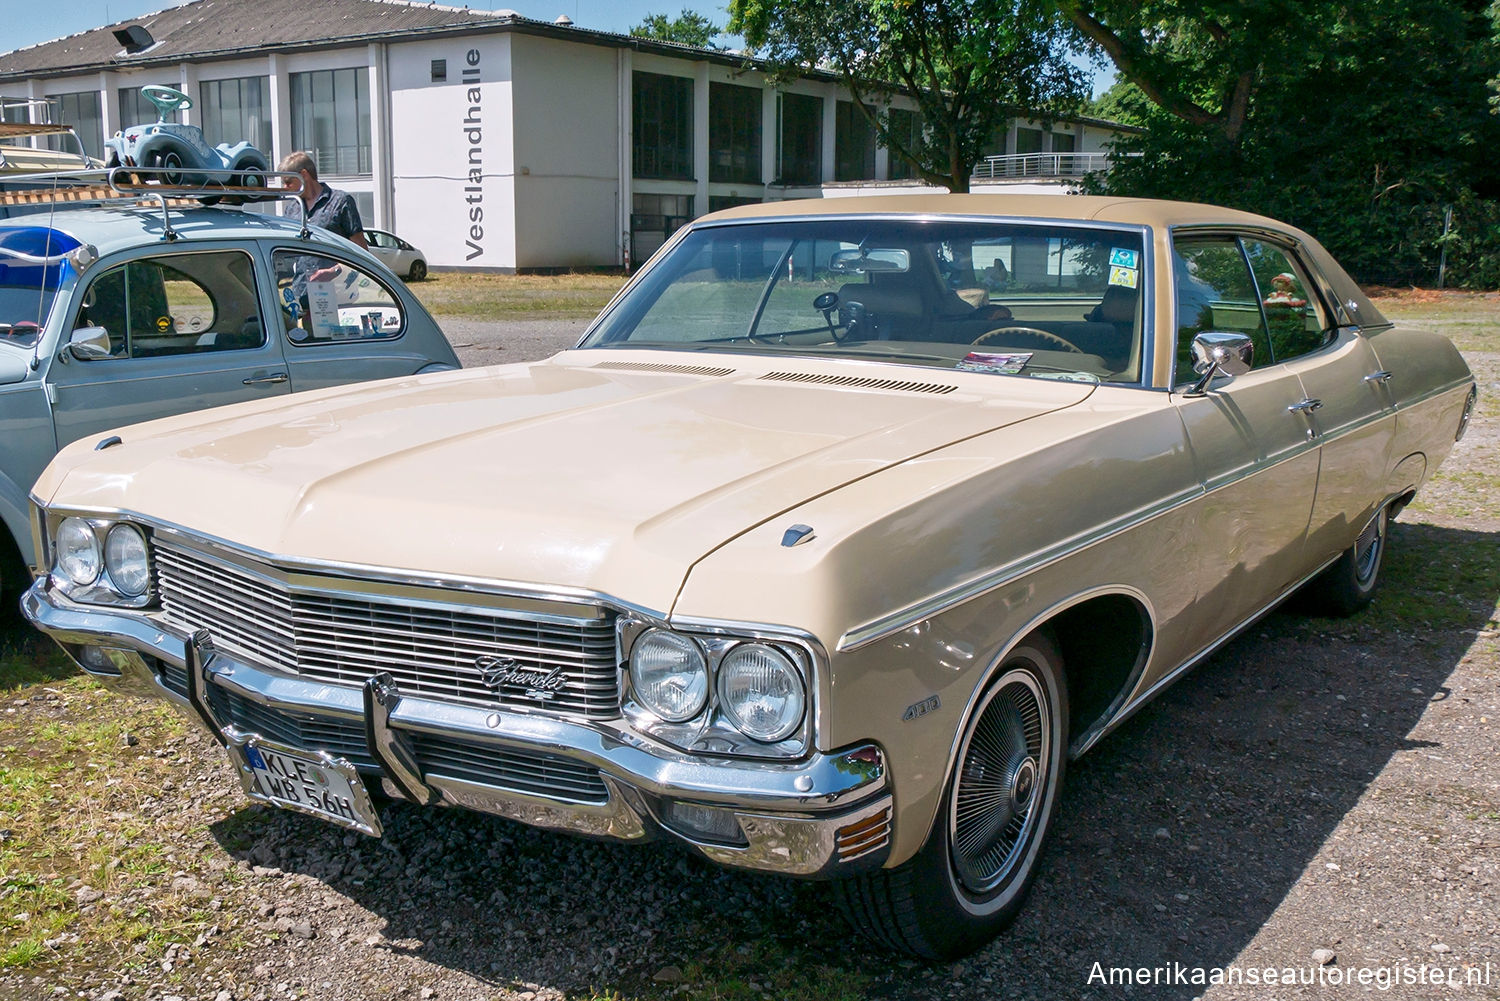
79,558
719,693
670,675
127,561
761,692
101,561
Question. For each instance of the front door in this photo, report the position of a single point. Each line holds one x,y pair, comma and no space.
1254,455
187,330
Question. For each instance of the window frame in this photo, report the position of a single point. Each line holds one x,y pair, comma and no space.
1313,280
295,251
256,294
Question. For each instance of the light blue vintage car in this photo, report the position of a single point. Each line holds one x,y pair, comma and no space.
176,149
106,321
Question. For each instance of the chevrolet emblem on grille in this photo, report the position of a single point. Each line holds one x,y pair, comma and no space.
506,675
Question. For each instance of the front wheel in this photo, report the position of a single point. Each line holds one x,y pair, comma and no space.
418,271
969,880
1349,584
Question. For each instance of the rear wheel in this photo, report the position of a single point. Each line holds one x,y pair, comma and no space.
1350,583
170,165
969,880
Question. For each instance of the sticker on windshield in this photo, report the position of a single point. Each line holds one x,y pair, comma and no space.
994,363
1125,277
1119,257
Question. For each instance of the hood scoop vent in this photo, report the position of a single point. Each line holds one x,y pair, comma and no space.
641,366
860,382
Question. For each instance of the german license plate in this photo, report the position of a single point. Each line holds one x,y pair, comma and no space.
310,782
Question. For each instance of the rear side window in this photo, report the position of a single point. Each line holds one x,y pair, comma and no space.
177,304
325,300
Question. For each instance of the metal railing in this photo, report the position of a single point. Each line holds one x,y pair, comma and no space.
1040,165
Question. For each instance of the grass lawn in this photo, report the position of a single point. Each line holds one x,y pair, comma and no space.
516,297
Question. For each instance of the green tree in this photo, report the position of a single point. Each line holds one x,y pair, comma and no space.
968,65
1361,132
687,28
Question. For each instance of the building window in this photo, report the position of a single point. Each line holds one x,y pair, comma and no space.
717,202
663,117
331,119
733,134
853,143
1028,140
81,110
1063,142
907,127
799,132
439,70
653,218
237,110
136,110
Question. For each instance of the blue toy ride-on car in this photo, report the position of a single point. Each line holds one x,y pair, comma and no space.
178,150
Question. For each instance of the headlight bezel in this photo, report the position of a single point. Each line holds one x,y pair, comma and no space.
103,588
712,730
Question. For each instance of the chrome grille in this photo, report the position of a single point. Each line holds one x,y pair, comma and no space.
527,772
344,638
519,771
340,737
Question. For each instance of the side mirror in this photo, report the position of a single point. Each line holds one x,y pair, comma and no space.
89,343
1219,352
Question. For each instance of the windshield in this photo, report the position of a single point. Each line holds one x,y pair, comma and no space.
32,266
1032,299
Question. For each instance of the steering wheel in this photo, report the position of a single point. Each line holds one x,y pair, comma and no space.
166,99
1003,334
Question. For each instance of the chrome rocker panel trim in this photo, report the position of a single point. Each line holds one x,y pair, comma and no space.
793,815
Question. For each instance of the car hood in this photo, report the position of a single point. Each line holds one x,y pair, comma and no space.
610,472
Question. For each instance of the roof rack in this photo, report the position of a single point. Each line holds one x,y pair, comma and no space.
143,184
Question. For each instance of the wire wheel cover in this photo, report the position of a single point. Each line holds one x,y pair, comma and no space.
1002,775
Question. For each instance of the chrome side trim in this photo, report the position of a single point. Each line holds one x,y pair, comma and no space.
1133,704
894,622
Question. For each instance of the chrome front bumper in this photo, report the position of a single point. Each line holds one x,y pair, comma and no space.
827,815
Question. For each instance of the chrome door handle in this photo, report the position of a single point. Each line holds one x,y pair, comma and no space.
269,380
1381,376
1305,407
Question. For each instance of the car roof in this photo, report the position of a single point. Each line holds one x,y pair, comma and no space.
112,228
1140,211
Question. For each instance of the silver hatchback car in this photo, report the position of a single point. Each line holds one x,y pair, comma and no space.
115,315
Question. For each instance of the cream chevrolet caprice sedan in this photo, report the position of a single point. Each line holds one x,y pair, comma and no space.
847,524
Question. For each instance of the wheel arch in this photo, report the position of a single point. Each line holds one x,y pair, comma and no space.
1125,657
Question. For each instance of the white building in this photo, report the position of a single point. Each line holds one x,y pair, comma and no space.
492,141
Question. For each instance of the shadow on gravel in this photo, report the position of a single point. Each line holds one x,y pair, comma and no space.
1178,836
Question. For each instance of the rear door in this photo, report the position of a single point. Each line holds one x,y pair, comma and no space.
1348,404
188,329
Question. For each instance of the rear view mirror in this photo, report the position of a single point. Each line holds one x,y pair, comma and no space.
1220,352
89,343
860,260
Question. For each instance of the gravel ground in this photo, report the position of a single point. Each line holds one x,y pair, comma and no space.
488,343
1319,796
